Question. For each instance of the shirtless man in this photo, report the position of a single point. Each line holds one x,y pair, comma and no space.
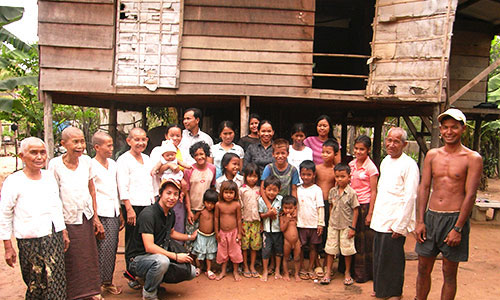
454,171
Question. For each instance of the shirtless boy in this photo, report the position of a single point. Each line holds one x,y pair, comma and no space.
454,171
288,225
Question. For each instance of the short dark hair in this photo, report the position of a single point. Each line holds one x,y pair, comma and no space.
262,122
253,116
278,143
224,124
365,140
342,167
172,126
289,200
210,195
196,112
308,165
226,159
249,169
332,142
272,180
163,186
198,145
298,127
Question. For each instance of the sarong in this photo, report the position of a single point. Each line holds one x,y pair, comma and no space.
82,267
107,248
388,265
42,266
363,240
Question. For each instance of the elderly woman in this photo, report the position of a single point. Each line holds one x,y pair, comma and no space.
32,210
261,153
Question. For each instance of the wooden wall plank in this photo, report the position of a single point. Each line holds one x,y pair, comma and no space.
80,1
230,43
76,13
239,90
246,56
69,35
241,67
480,87
75,81
245,79
307,5
76,58
247,15
249,30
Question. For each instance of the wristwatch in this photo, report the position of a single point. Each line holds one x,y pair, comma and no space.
458,229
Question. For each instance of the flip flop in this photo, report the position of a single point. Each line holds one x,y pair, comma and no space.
319,271
312,275
304,275
247,274
325,281
348,281
211,275
111,288
255,274
198,272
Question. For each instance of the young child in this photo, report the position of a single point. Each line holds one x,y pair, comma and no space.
251,237
310,214
342,225
230,165
287,174
298,151
198,179
288,225
108,208
205,245
168,166
272,235
228,229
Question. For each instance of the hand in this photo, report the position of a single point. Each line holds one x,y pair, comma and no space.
183,258
294,213
217,237
274,213
10,256
131,216
190,217
238,238
396,235
154,172
368,219
65,239
351,234
181,197
453,238
122,223
421,232
98,228
193,235
319,231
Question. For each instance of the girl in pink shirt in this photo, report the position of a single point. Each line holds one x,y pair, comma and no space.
364,176
324,129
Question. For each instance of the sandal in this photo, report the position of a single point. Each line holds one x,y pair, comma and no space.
247,274
304,275
211,275
134,284
319,271
312,275
111,288
197,272
325,281
348,281
255,274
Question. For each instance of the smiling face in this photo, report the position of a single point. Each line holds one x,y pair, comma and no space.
254,126
137,141
298,138
169,196
252,179
266,133
451,131
105,147
227,136
169,156
323,128
360,151
233,167
190,122
394,144
200,157
271,191
74,143
280,155
34,157
175,135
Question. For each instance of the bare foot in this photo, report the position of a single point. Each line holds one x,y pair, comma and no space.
236,275
277,276
264,276
221,275
286,277
297,277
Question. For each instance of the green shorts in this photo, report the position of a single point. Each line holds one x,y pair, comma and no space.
251,238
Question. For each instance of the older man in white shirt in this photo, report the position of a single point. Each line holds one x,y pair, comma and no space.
32,210
393,215
192,133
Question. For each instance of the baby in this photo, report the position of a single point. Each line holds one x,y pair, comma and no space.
288,225
168,165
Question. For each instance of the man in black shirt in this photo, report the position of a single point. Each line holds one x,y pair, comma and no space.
155,226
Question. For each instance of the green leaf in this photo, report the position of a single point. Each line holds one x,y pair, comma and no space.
9,14
12,83
494,83
7,37
6,104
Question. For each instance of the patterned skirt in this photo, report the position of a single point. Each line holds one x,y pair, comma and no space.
107,248
363,240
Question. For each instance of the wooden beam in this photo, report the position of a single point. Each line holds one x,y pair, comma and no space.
377,140
413,129
48,133
477,134
427,123
244,115
435,127
474,81
144,123
343,141
113,122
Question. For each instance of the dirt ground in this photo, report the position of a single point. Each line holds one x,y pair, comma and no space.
475,279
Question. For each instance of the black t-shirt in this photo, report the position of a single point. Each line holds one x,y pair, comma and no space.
151,220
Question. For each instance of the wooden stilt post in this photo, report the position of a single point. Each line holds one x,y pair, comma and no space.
244,115
144,123
343,141
48,132
113,122
477,134
435,127
377,140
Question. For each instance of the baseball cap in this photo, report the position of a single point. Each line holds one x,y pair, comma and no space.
454,113
170,181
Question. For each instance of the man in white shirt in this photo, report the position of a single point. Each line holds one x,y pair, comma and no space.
192,133
393,215
32,210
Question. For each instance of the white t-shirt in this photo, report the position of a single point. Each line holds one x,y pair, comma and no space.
188,139
106,189
310,199
74,188
135,182
30,207
295,158
238,179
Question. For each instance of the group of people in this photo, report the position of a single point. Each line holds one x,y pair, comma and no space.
263,200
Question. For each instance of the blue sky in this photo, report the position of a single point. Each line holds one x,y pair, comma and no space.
26,28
